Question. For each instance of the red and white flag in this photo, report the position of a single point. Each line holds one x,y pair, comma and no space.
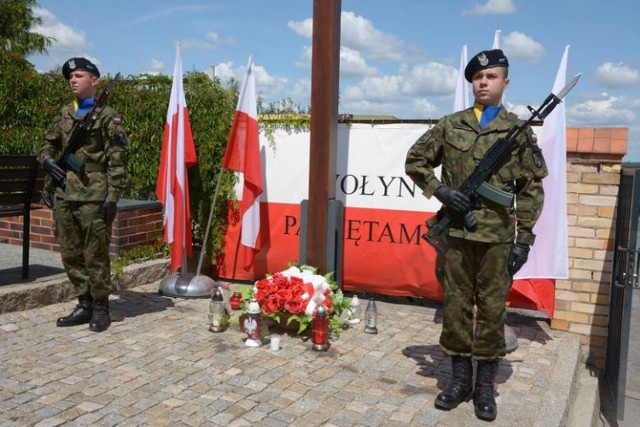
172,189
549,257
243,155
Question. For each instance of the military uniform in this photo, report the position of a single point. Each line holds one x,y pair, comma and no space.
481,253
81,228
458,144
83,235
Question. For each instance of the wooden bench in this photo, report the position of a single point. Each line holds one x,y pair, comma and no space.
21,180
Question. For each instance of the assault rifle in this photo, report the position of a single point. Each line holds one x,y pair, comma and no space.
492,161
68,160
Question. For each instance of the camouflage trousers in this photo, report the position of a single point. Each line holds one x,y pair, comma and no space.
475,273
84,245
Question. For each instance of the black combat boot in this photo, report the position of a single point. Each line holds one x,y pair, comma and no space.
101,318
461,384
80,315
484,402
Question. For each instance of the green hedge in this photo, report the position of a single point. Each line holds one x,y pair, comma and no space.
29,101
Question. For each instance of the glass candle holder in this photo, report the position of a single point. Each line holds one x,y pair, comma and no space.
320,330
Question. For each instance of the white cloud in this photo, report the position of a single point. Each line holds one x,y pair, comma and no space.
68,41
519,110
352,64
268,86
423,109
521,46
492,7
366,106
359,34
225,72
376,89
212,41
302,28
606,110
169,12
301,92
217,39
617,75
403,94
432,78
155,68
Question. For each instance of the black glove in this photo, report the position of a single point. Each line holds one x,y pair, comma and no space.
54,169
518,257
109,212
453,199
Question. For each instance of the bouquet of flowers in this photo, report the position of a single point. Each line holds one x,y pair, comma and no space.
294,295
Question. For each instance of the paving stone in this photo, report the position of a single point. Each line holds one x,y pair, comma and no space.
159,365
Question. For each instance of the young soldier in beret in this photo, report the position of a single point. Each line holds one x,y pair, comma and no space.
86,207
480,259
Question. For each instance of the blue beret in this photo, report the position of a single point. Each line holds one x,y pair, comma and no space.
483,60
75,64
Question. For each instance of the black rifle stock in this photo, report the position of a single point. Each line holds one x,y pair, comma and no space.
68,160
491,162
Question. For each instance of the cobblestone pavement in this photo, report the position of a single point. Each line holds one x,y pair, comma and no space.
159,365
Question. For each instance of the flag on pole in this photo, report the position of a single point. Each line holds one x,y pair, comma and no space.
461,100
243,155
549,256
172,189
496,40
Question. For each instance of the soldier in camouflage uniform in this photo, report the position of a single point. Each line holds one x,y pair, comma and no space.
482,256
86,208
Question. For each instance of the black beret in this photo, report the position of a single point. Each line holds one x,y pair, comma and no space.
483,60
75,64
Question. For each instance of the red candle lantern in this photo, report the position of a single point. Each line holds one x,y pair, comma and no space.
320,330
236,300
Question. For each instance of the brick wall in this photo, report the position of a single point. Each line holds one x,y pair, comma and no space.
137,223
593,175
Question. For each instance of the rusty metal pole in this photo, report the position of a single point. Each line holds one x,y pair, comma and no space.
325,67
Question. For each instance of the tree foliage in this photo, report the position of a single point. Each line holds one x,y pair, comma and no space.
30,101
16,21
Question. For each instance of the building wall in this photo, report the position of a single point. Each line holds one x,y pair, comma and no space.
137,223
593,175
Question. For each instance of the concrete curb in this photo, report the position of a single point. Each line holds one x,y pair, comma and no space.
557,399
584,408
27,296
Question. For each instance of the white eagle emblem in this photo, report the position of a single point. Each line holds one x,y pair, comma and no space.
483,60
250,325
72,64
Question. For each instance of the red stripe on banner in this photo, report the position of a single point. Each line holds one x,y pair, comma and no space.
383,254
279,228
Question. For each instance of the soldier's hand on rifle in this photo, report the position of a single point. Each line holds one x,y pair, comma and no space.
109,212
453,199
54,169
518,257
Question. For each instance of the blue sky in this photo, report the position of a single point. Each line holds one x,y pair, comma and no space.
399,58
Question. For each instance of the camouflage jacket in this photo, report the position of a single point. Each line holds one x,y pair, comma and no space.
104,153
458,144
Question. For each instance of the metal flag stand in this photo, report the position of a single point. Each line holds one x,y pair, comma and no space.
186,285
